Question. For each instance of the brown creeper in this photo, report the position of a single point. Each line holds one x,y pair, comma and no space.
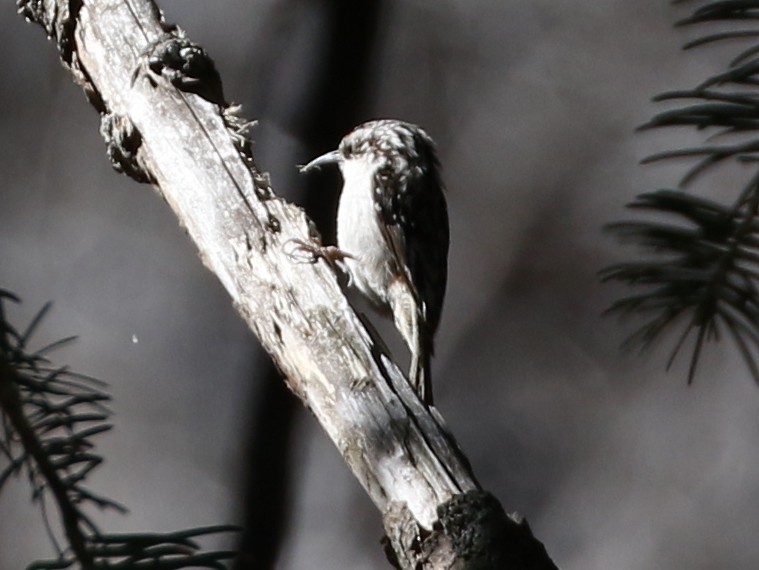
392,230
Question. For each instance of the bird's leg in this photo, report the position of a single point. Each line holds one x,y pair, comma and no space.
310,252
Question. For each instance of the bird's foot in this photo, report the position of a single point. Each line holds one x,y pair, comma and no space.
310,252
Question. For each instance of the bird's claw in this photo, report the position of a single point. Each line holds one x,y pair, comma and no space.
310,252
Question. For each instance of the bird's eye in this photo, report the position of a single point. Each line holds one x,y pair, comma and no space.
347,149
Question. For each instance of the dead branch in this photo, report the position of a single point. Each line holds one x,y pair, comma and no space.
165,120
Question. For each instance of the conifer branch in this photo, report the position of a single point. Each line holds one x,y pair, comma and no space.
703,263
49,417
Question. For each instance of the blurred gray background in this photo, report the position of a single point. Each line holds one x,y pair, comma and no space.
533,103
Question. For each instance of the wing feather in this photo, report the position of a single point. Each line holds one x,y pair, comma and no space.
414,219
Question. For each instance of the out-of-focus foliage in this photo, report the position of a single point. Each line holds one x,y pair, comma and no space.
50,416
700,273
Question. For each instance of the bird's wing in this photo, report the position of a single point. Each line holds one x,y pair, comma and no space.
414,220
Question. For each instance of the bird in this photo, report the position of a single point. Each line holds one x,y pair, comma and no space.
393,232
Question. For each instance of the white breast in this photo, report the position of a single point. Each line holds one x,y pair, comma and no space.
359,234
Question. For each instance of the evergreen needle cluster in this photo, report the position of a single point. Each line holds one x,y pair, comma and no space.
50,416
702,262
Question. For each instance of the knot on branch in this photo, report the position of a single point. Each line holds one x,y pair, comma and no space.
472,532
123,142
184,64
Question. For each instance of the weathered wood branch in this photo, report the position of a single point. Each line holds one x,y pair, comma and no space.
165,121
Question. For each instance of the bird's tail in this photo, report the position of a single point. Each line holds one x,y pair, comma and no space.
409,320
419,374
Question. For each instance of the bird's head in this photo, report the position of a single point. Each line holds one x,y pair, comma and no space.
384,145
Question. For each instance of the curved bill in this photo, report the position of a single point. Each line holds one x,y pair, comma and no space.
328,158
